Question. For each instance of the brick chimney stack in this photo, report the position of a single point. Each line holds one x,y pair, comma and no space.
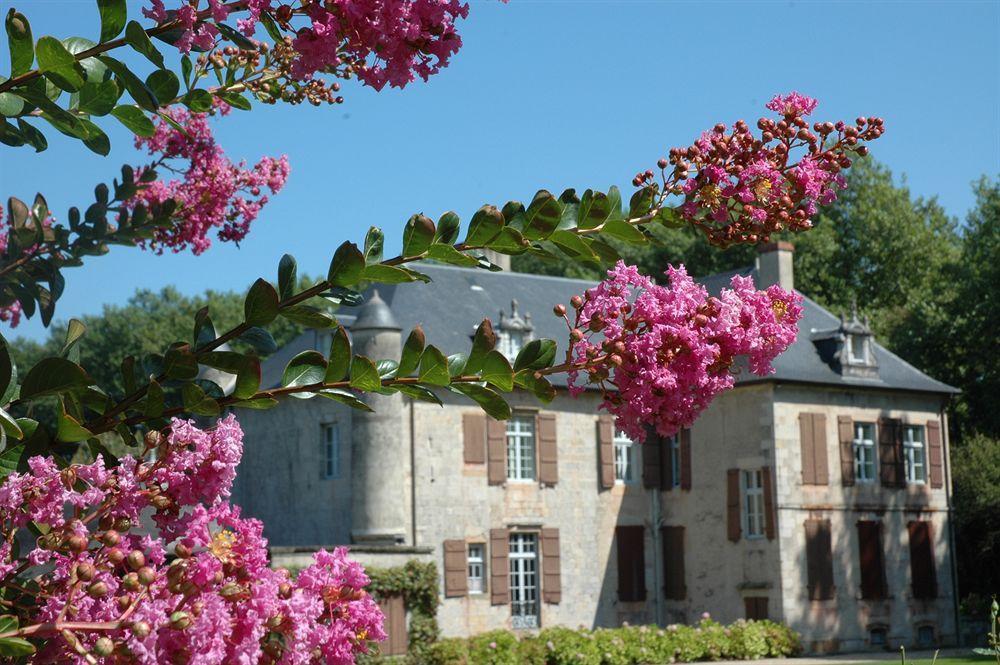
774,265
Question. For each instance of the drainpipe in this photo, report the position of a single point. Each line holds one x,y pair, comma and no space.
951,525
413,475
654,498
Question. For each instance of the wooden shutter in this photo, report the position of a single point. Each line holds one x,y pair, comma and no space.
456,575
685,458
873,582
396,642
652,463
474,438
769,514
606,450
935,452
496,451
819,559
922,569
733,528
551,566
499,567
631,563
845,432
890,452
674,587
812,439
548,465
756,608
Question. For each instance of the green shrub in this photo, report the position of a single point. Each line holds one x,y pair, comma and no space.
452,650
497,647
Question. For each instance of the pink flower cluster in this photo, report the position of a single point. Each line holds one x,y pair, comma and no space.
193,32
110,590
738,187
212,191
662,353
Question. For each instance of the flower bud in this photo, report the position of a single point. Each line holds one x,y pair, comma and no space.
136,559
77,543
559,310
285,590
183,551
131,582
180,620
141,629
576,302
110,537
146,575
116,556
86,571
153,439
575,335
662,163
97,589
103,647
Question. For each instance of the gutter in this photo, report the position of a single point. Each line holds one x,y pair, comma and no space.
654,497
413,476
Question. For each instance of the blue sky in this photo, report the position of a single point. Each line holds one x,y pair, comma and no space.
553,94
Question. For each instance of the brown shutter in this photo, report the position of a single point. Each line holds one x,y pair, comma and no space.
936,452
652,466
845,432
606,450
548,465
685,458
890,457
819,559
756,608
456,576
812,435
873,582
674,587
769,515
551,566
922,569
499,567
474,438
733,528
667,463
631,563
396,642
496,451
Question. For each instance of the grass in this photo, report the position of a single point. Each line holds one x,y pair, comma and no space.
960,660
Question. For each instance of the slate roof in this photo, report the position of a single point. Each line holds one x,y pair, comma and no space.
458,299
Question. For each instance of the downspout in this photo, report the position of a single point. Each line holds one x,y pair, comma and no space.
654,496
951,525
413,476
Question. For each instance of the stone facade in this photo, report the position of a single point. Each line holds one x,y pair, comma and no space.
401,486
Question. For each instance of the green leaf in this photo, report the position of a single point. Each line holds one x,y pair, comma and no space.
155,400
247,378
456,364
615,201
595,207
497,370
58,64
340,356
641,202
20,42
670,218
347,265
448,227
99,98
198,100
539,386
113,17
137,38
8,623
96,139
491,402
75,330
227,361
260,404
344,397
16,647
236,100
448,254
374,243
10,104
179,362
417,235
33,136
622,230
542,216
573,245
287,276
305,369
259,339
483,342
197,402
94,70
387,369
536,354
308,316
364,375
164,84
142,95
434,367
10,427
378,272
261,304
68,430
420,393
486,225
236,37
52,376
8,372
413,347
510,241
134,119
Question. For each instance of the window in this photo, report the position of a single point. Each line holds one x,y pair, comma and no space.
923,573
925,637
819,560
756,608
857,349
521,447
511,342
915,454
625,466
631,548
330,452
873,582
477,568
674,444
753,504
877,637
864,452
524,580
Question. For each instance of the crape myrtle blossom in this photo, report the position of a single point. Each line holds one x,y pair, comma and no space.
738,187
114,595
660,354
211,192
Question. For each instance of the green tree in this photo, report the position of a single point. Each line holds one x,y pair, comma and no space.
976,479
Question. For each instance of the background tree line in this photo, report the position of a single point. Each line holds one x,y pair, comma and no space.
927,281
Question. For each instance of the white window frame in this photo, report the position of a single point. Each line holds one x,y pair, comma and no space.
675,460
915,452
524,578
477,568
856,343
625,454
753,503
521,448
511,343
329,468
863,445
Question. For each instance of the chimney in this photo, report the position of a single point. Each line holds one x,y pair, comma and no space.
774,265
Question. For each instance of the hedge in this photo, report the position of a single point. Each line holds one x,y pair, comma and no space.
709,640
418,584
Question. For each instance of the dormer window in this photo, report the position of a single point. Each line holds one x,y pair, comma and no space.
510,343
848,347
513,332
857,349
